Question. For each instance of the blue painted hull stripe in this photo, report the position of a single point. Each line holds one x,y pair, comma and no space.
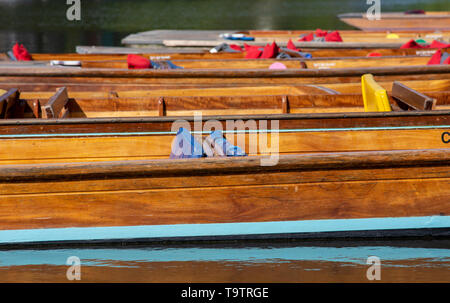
220,229
225,131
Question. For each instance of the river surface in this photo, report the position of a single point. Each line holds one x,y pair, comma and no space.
42,25
261,262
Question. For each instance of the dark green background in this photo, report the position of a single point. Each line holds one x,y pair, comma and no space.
42,25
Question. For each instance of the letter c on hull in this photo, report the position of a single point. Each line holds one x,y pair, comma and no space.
446,137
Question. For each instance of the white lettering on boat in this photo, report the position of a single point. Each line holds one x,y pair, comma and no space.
159,57
324,65
425,52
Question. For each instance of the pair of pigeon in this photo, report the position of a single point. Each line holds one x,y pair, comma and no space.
215,145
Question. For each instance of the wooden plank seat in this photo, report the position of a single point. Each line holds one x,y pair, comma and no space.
374,96
410,99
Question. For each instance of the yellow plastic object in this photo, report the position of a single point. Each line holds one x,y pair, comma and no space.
392,36
374,96
2,92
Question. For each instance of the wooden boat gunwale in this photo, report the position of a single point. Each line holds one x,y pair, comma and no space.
222,73
218,165
319,53
113,127
157,119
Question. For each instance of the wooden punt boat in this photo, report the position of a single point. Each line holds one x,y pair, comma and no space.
318,63
353,34
83,180
213,101
399,21
311,195
358,37
344,62
131,90
351,39
315,53
330,117
204,55
98,76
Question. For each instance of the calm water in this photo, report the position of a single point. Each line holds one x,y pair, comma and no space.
400,261
42,25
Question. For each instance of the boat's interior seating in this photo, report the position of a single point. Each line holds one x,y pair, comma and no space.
375,97
410,99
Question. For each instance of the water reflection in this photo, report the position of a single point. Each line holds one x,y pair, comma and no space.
42,25
401,261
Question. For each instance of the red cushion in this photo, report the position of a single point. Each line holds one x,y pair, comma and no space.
309,37
333,37
321,33
412,44
138,62
270,51
291,45
253,53
438,44
436,58
247,47
236,47
21,53
374,54
447,61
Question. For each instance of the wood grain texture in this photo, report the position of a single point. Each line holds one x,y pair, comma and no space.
265,63
300,187
251,73
205,55
7,102
285,121
411,98
102,90
341,84
54,107
221,105
105,148
342,160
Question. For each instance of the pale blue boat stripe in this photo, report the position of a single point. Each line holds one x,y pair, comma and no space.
220,229
225,131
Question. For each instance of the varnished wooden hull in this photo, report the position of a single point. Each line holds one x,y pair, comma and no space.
98,76
209,39
335,175
97,180
328,194
288,63
209,102
47,88
315,53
